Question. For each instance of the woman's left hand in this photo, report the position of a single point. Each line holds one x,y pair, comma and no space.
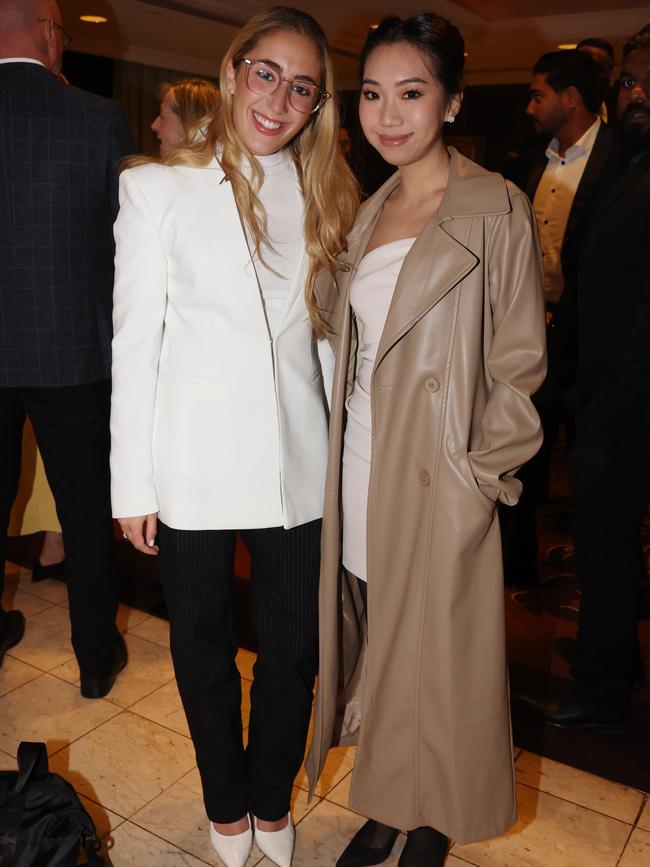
132,529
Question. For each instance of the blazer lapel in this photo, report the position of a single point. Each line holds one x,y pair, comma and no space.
616,189
234,239
590,176
294,300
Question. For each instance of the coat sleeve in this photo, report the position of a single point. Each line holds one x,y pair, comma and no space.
139,305
515,352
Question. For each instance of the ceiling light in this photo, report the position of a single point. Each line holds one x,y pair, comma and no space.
93,19
568,45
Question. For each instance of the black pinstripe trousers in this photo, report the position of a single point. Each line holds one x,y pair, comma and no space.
196,568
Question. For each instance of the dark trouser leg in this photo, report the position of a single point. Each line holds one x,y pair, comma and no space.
196,570
610,484
71,425
284,609
518,527
12,419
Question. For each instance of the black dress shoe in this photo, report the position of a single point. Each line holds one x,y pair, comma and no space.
97,686
54,570
424,847
569,711
12,633
358,854
565,648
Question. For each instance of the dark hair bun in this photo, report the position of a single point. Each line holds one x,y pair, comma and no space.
440,42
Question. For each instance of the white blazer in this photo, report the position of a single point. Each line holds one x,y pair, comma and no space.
213,424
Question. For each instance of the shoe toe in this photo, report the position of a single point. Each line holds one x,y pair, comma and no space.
277,845
232,850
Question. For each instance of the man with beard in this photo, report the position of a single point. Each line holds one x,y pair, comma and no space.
565,96
610,471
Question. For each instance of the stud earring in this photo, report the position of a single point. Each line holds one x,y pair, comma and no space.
451,118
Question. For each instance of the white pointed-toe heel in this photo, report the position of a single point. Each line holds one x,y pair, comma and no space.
232,849
277,845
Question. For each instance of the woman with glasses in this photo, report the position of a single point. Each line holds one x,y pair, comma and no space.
219,419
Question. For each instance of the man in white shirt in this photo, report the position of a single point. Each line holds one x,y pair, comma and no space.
565,98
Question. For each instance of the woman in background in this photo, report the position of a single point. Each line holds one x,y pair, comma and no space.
183,105
219,419
441,320
34,511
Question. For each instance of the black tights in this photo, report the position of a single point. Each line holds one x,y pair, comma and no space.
425,847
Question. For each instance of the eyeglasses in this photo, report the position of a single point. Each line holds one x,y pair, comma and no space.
66,39
264,79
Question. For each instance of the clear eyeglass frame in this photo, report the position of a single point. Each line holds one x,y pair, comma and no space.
263,88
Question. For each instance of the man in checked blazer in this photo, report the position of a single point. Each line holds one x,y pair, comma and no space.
59,147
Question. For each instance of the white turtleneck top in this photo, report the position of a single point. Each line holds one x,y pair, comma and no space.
282,200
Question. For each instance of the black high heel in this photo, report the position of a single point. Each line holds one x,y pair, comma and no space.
358,854
54,570
424,847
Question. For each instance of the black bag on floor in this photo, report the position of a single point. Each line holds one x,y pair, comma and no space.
42,821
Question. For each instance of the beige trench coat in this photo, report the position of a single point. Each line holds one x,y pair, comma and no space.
462,350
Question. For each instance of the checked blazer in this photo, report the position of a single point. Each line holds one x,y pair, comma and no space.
59,148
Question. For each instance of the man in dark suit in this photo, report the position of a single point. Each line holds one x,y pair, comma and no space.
59,148
565,97
610,465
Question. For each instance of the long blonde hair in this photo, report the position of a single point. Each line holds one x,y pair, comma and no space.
329,189
194,100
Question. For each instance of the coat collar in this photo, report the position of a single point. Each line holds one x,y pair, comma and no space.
471,192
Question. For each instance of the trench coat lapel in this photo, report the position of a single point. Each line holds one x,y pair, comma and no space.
363,229
333,295
420,287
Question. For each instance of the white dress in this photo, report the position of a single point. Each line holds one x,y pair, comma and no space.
371,292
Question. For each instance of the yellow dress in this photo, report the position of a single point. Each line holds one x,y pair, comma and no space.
34,508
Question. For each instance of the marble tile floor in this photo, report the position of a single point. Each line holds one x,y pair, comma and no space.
130,759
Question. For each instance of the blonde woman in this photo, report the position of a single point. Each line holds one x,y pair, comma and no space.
219,420
182,105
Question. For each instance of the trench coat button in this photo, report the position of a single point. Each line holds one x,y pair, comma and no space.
432,384
424,478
